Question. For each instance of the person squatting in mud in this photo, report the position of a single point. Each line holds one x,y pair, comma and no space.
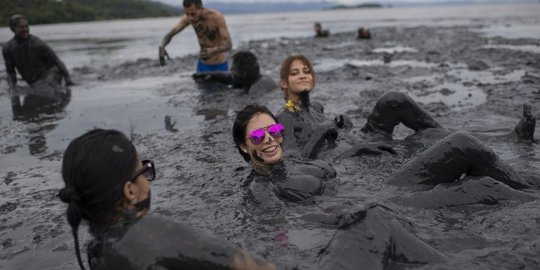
274,178
245,73
108,186
36,62
308,129
212,34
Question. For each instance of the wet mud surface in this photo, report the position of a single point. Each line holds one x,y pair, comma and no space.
468,81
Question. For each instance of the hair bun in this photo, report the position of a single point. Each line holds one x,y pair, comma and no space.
69,195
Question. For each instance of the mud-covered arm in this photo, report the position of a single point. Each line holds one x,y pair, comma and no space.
179,27
63,70
221,77
10,69
317,139
289,140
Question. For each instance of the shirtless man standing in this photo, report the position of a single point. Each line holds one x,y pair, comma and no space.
212,33
37,63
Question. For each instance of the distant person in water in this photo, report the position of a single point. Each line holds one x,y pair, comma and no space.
107,185
212,34
36,62
319,32
363,33
245,73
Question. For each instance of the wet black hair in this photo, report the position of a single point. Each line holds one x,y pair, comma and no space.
15,19
95,168
241,122
245,69
188,3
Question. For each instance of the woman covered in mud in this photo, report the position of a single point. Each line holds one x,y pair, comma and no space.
108,186
374,237
308,129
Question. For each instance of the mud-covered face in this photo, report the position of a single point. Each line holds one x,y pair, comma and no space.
193,13
144,173
300,80
22,30
265,152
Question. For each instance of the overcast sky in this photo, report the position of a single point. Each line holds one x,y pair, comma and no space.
348,2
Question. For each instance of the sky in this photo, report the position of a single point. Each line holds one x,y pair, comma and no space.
346,2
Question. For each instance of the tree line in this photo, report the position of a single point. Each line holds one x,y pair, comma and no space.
56,11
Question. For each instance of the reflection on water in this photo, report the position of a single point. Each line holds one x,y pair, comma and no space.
43,108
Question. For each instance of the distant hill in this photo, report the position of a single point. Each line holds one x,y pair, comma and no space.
54,11
366,5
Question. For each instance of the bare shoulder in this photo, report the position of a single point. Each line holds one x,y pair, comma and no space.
214,14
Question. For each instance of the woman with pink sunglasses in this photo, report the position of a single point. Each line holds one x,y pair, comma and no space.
373,237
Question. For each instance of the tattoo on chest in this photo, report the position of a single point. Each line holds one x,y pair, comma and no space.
209,31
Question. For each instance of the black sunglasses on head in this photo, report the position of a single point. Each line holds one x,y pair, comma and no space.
148,170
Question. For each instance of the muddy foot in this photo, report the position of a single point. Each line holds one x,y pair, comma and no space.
525,128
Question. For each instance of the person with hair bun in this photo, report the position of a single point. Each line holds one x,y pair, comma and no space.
109,187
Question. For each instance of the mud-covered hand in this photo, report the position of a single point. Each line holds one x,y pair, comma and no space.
343,121
331,135
162,55
368,148
202,76
207,53
351,215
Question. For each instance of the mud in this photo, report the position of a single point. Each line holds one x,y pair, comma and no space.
464,79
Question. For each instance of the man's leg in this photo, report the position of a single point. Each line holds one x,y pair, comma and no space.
395,107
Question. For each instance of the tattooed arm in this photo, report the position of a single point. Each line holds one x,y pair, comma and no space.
181,25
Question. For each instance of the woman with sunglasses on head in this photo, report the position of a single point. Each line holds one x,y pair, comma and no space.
308,129
108,186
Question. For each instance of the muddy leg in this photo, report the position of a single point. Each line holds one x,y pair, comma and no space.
395,107
525,128
457,154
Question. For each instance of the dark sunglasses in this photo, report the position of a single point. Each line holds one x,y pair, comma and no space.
257,136
148,170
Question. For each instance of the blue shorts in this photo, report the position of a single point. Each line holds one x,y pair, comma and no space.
202,67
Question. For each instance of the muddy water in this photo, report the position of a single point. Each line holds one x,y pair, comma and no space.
465,76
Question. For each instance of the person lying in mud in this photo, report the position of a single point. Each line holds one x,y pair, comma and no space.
258,137
108,186
363,33
36,62
245,73
308,129
319,31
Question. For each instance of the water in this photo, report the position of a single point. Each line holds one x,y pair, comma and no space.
121,86
112,42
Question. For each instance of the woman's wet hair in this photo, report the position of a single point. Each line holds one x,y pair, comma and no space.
15,19
95,168
188,3
241,122
286,66
245,69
